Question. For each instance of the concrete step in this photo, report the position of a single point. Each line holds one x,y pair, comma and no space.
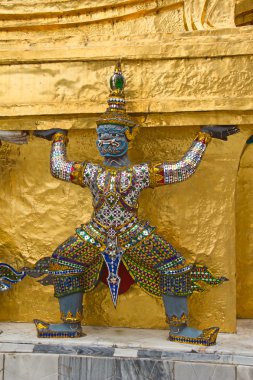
123,354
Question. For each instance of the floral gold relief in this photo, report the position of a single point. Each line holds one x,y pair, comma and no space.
153,16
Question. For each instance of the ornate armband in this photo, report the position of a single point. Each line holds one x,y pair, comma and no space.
156,175
60,137
176,321
70,318
203,137
77,173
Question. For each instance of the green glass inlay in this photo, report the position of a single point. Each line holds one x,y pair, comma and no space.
117,82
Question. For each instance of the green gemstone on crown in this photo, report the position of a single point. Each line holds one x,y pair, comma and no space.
117,82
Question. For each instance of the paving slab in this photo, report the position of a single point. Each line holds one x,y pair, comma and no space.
236,349
108,353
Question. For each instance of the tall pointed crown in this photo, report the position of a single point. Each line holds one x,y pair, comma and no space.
116,111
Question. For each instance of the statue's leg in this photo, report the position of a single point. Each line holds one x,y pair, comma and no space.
71,310
74,269
161,270
176,309
177,315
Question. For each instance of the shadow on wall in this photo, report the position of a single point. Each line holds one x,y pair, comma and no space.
244,233
244,12
9,251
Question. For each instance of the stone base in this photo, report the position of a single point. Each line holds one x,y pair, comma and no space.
121,353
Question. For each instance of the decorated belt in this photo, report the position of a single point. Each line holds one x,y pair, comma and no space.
113,242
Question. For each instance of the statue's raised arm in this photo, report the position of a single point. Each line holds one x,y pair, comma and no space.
167,173
60,166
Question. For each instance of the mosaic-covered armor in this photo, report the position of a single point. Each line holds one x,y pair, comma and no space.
115,233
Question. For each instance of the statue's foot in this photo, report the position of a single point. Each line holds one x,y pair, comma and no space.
60,330
189,335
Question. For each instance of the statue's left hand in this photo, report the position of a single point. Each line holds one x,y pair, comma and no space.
49,133
220,131
15,137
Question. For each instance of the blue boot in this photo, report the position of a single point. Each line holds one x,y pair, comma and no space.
177,317
71,314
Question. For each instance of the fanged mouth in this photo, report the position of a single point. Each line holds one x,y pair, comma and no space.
107,143
109,149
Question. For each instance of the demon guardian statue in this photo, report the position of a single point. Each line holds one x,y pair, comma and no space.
115,236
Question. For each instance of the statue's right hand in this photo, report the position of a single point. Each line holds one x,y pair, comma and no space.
49,133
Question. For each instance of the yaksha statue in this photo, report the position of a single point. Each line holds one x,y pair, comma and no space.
115,235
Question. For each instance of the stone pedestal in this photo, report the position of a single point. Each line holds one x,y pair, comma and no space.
123,354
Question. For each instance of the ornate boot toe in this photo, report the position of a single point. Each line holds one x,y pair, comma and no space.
206,338
44,331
